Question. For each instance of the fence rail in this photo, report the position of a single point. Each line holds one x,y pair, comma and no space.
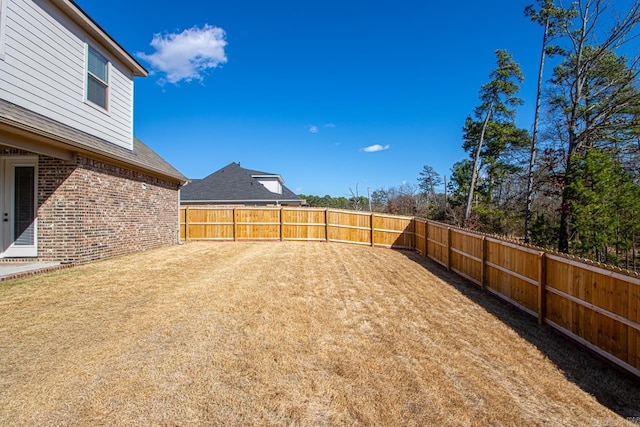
598,306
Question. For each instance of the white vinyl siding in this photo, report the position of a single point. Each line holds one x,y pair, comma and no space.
45,70
3,11
271,184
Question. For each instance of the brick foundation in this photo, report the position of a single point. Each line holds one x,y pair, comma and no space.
91,210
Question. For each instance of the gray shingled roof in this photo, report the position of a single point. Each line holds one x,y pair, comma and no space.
141,156
233,183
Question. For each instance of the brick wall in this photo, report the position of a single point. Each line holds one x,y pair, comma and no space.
92,210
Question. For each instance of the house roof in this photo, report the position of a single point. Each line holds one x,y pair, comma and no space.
233,183
80,17
23,128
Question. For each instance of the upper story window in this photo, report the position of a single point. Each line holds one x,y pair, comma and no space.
97,78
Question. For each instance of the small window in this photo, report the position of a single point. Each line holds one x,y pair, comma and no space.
97,78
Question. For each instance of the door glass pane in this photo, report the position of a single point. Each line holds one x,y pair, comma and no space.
24,206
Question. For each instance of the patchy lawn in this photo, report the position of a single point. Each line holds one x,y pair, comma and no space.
287,333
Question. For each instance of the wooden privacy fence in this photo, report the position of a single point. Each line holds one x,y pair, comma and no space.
307,224
598,306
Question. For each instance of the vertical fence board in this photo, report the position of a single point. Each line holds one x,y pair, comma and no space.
449,248
421,236
542,283
207,224
235,225
557,307
467,255
597,306
394,232
349,227
183,223
372,236
513,272
619,292
257,224
437,242
303,224
634,335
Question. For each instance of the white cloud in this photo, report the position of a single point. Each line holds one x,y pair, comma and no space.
329,125
313,129
187,55
376,147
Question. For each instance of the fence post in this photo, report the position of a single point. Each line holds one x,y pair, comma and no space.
281,225
542,282
449,248
235,226
415,238
186,223
372,229
483,265
426,238
326,225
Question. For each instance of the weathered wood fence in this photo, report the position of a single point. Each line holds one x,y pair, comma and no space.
598,306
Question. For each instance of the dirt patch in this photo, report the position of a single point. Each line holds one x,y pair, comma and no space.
286,333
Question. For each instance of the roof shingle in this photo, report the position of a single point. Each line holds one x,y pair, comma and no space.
141,156
233,183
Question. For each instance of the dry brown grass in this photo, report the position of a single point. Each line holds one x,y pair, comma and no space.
285,334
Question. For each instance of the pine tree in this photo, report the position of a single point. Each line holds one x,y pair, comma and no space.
495,114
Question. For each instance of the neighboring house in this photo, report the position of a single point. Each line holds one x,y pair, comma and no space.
235,186
75,184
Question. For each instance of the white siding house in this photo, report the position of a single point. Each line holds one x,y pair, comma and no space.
75,185
45,68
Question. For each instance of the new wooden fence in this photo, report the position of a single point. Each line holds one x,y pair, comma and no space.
598,306
307,224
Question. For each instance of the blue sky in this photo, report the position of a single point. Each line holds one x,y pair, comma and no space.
329,94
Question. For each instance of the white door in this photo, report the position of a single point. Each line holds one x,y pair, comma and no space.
19,207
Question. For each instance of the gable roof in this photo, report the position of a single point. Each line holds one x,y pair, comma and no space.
44,136
233,183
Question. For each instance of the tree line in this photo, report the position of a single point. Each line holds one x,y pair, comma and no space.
571,180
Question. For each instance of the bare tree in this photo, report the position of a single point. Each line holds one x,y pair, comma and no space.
550,18
594,90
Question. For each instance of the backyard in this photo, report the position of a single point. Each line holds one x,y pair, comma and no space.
286,333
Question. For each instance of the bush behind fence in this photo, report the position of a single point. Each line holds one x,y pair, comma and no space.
598,306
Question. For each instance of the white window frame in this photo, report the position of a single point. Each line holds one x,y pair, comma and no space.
89,75
3,26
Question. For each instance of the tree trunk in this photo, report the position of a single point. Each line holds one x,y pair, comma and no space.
576,96
566,205
626,257
633,251
476,164
534,138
